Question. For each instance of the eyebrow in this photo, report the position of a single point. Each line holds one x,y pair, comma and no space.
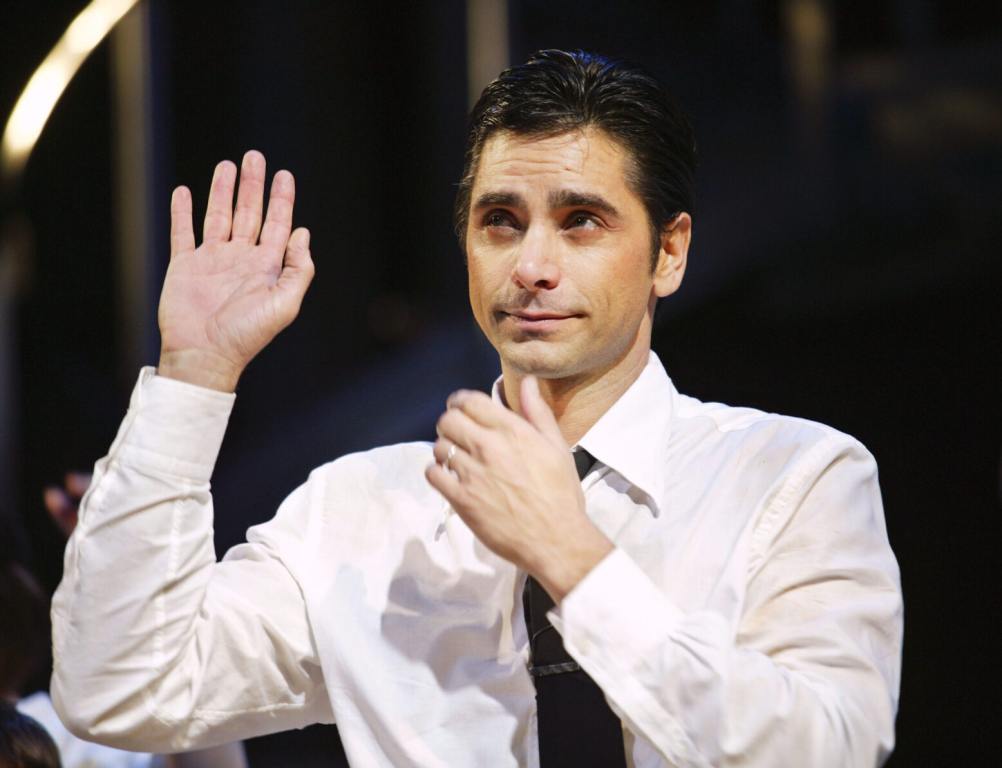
569,198
563,198
502,199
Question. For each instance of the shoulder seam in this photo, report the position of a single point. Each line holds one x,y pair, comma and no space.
790,490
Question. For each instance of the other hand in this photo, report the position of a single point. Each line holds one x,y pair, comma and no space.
63,503
511,478
223,301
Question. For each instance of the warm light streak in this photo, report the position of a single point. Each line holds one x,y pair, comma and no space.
45,87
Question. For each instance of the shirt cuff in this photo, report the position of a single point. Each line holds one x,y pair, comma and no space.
173,427
612,618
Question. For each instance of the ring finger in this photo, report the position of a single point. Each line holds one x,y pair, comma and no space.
450,455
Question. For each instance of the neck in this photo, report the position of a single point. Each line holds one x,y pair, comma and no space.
578,401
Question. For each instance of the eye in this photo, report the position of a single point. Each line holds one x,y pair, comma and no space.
497,218
581,220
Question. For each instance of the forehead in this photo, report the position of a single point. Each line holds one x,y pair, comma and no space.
586,159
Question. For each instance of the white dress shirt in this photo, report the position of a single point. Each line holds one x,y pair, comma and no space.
749,615
77,753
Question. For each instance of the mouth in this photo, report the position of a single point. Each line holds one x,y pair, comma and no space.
538,321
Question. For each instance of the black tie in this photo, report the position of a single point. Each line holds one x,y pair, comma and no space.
576,727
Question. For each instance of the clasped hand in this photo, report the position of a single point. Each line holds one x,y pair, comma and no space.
511,478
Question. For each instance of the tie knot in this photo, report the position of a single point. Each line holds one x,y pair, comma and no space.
583,461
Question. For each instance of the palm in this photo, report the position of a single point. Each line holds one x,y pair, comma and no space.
221,296
223,301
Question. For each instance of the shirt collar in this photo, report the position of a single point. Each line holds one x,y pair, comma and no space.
631,438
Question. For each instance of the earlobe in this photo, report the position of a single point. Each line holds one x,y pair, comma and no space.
670,268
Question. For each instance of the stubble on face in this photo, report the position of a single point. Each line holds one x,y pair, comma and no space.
558,250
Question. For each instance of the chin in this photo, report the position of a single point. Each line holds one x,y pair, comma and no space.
545,359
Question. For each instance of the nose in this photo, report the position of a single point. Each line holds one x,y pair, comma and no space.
536,266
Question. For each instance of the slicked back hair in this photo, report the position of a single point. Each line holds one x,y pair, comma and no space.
556,92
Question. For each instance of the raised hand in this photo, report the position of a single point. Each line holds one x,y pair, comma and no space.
223,301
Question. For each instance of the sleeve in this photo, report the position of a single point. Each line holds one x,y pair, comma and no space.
156,646
810,675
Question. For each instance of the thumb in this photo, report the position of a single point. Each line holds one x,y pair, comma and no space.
536,411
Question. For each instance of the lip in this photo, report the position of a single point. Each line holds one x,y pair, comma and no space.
536,316
538,321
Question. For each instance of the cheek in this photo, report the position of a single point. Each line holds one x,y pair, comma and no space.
628,291
483,285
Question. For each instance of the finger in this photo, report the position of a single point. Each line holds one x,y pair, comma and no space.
297,271
250,198
182,233
278,222
537,412
451,456
440,450
457,427
447,484
219,211
62,510
77,483
57,502
481,408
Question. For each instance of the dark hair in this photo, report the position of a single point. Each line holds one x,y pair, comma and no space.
24,743
558,91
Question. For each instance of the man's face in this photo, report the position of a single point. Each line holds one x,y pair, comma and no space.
559,256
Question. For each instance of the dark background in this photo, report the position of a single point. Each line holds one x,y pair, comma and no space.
845,264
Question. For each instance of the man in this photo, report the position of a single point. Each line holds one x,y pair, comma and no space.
724,589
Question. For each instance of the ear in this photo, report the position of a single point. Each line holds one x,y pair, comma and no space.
670,269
